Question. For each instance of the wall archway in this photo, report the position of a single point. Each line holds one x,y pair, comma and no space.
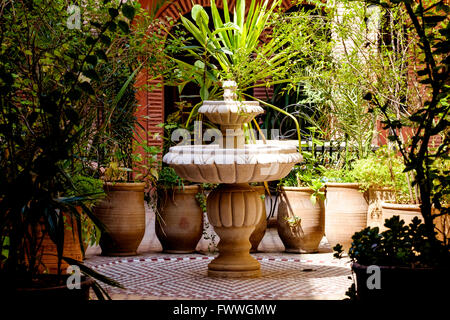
177,8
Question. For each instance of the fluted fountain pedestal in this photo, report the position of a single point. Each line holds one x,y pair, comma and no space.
234,210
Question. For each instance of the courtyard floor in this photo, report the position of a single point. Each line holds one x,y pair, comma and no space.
154,275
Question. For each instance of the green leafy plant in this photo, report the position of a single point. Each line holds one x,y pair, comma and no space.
234,50
383,169
48,76
400,245
92,190
294,222
307,174
403,70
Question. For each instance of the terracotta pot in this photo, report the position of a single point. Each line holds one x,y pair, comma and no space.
376,198
181,225
304,238
345,213
261,226
49,258
407,212
122,212
51,288
403,283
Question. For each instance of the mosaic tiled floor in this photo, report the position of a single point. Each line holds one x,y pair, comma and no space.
155,275
284,276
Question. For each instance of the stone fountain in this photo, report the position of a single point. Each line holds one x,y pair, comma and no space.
234,207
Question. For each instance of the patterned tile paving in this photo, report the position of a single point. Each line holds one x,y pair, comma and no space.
166,276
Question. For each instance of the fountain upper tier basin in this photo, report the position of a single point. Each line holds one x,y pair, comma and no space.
230,112
253,163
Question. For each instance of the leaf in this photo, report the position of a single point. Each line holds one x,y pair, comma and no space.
105,39
90,41
128,11
92,273
196,11
154,173
434,19
391,138
422,72
313,199
112,26
190,47
86,86
226,51
124,26
101,54
204,93
91,74
368,96
92,59
199,64
113,12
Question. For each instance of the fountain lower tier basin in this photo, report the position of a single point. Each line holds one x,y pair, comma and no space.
213,164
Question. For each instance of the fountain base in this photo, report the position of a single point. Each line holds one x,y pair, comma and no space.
233,211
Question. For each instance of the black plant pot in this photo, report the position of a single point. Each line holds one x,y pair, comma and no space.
402,283
49,287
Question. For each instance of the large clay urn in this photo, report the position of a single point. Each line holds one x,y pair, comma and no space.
122,212
261,227
345,213
304,237
180,225
406,212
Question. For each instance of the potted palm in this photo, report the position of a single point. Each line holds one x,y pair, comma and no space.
125,177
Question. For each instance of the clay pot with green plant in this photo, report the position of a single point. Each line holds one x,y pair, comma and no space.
179,221
391,192
122,211
124,161
406,263
301,214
